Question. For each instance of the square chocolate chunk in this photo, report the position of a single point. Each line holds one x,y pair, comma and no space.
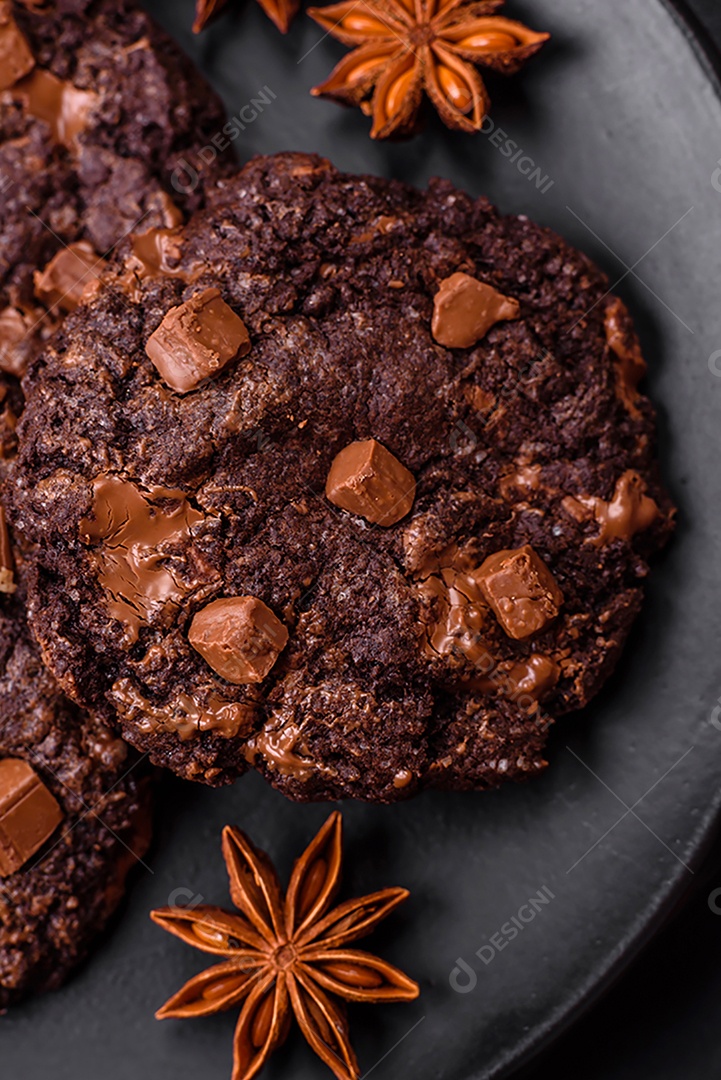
239,637
366,479
29,814
521,591
68,275
196,340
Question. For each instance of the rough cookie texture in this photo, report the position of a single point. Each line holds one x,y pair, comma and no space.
60,899
101,122
397,673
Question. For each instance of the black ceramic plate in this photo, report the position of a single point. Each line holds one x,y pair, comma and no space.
623,119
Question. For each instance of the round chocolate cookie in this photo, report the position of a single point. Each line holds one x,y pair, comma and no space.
74,813
345,481
102,121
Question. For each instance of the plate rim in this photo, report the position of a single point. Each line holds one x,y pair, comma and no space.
547,1033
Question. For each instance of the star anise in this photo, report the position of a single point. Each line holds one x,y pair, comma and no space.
280,11
286,955
406,47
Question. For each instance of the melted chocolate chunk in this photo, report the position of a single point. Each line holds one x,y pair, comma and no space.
70,274
630,511
141,543
196,341
63,107
521,590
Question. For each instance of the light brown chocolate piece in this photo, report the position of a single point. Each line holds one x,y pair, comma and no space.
72,272
521,591
465,309
533,677
7,560
14,328
16,58
630,364
280,745
239,637
143,574
29,814
157,252
630,511
368,480
62,106
196,340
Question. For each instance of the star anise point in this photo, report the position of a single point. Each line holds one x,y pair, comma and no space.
281,12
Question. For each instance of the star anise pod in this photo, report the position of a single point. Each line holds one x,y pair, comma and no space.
286,955
280,11
406,47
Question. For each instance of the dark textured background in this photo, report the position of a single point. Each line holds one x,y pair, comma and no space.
661,1021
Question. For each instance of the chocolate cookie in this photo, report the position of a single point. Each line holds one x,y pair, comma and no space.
102,121
74,812
345,481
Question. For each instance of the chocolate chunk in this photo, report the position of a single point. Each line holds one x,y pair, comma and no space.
465,309
196,340
521,591
157,252
63,107
29,814
240,638
624,344
533,677
368,480
630,511
142,578
72,271
7,561
16,58
15,327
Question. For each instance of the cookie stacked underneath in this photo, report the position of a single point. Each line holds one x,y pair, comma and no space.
343,481
74,810
102,121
